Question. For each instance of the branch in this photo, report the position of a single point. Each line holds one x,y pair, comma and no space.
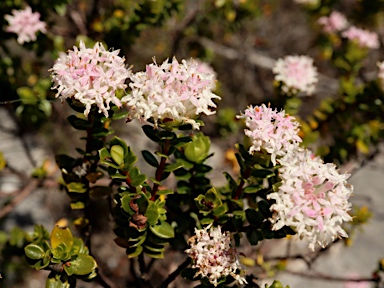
175,273
22,194
326,277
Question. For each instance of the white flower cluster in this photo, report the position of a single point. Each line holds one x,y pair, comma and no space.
296,73
213,256
312,199
91,76
172,91
273,131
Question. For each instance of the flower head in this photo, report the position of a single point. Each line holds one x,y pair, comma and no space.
296,73
275,132
312,198
364,38
335,22
213,256
171,91
91,76
25,24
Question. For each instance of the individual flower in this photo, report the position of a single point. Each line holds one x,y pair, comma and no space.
171,91
312,198
296,73
25,24
335,22
275,132
91,76
213,256
364,38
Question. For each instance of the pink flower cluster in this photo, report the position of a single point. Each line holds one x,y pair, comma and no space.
363,38
91,76
172,90
334,23
271,131
312,198
25,24
337,23
296,73
213,256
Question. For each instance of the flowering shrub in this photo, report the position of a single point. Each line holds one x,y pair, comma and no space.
159,198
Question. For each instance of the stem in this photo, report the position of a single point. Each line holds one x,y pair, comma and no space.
239,188
160,170
175,273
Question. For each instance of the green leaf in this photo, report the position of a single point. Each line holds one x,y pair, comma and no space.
262,173
56,280
252,189
81,264
117,154
165,192
197,150
129,160
78,123
220,210
150,131
76,187
104,156
254,217
152,213
61,235
77,205
136,177
174,166
206,221
34,251
134,252
149,158
181,141
163,230
252,237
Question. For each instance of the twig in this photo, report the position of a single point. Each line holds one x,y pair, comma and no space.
103,280
326,277
23,193
175,273
179,30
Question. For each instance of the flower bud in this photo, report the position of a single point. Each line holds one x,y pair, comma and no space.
197,150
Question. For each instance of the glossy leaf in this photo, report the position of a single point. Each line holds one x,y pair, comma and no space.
81,264
34,251
149,158
117,154
134,252
254,217
78,123
163,230
61,235
76,187
150,131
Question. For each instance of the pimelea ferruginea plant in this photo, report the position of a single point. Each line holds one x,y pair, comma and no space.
281,188
278,188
